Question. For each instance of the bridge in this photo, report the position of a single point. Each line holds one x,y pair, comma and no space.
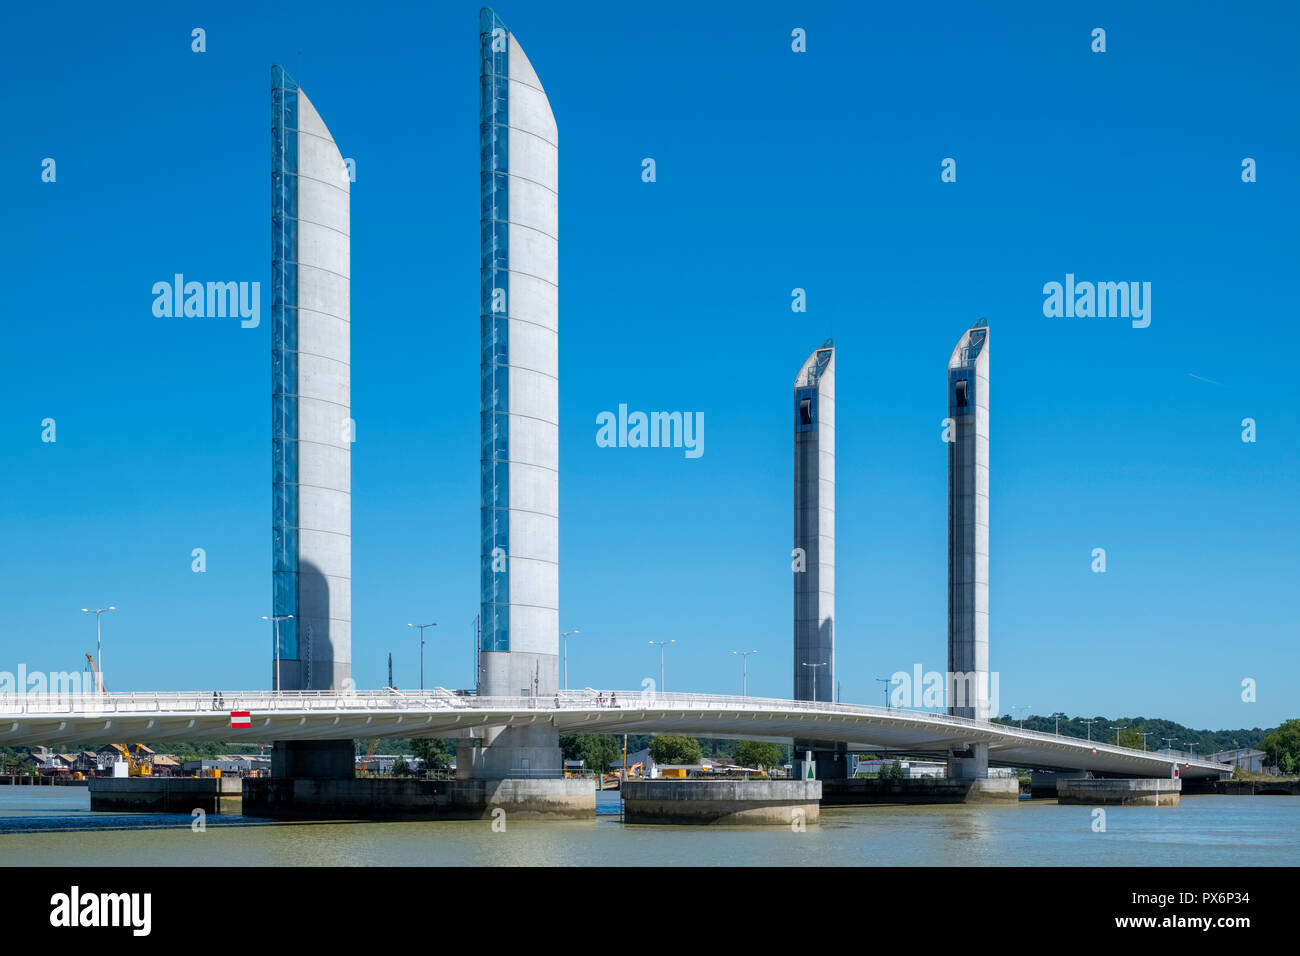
330,715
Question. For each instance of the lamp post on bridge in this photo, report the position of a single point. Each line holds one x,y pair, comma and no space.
744,661
1145,734
1118,728
662,645
1058,715
1169,742
99,643
1090,721
1022,716
884,680
814,673
565,638
277,618
422,627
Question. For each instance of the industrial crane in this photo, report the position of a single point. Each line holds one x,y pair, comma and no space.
99,680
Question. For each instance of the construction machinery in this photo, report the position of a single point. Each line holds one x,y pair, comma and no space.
99,680
365,761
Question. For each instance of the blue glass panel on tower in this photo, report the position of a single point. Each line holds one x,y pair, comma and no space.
805,410
494,214
284,368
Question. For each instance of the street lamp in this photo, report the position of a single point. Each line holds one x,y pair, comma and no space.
565,638
422,627
744,671
1145,734
1022,716
1169,742
884,680
277,618
1090,722
662,645
1118,728
1058,715
99,644
814,673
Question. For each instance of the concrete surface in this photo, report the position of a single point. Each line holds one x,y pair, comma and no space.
389,798
165,794
921,790
1128,793
726,802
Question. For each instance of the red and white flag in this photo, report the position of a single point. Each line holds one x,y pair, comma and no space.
241,720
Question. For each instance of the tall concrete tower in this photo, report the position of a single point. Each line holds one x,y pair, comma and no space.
519,407
814,541
968,540
311,440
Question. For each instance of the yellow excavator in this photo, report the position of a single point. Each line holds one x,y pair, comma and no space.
135,766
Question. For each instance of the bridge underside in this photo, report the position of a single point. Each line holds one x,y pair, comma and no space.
860,729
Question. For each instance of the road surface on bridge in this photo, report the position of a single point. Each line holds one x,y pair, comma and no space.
90,719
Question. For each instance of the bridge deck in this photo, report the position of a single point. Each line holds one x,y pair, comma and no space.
323,715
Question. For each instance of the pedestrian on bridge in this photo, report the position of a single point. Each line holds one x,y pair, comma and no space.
613,699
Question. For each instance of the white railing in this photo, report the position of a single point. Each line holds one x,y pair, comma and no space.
388,700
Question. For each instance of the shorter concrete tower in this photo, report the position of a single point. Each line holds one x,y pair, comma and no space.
968,540
814,543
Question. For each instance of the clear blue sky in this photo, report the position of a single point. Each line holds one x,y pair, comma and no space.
775,170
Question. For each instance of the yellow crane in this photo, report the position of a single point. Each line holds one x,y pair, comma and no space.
99,681
135,766
365,763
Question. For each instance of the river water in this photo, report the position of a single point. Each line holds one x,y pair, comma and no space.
55,826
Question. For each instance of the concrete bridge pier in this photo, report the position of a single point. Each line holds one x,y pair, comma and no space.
521,770
815,761
528,752
970,764
1139,792
1044,783
314,759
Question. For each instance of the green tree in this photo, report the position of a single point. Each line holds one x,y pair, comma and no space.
433,751
1283,745
675,750
896,771
601,750
1130,737
571,746
753,753
400,767
596,751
